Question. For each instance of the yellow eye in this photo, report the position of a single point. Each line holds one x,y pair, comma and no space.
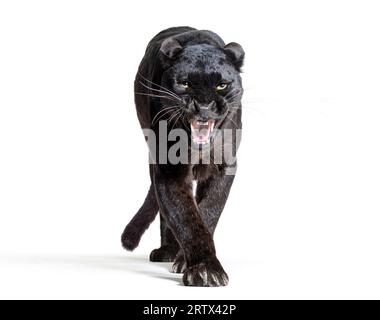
185,84
221,86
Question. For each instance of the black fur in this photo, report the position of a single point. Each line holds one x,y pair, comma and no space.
140,222
201,59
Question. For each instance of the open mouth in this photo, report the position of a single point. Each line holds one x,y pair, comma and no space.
201,131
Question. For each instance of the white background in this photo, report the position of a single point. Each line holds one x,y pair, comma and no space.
303,218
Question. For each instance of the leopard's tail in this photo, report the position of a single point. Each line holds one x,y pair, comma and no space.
140,222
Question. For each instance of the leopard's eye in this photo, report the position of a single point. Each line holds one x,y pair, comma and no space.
221,86
184,84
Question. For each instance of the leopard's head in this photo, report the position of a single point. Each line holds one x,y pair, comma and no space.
206,79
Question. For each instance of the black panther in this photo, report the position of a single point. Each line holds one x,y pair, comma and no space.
190,79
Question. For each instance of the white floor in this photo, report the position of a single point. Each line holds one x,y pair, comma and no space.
130,276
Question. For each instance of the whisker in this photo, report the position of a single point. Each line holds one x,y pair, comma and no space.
234,106
233,90
161,87
174,116
246,109
242,103
236,90
230,99
179,116
154,95
185,123
232,121
168,112
165,109
161,91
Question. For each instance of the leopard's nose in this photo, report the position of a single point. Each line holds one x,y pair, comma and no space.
204,110
204,106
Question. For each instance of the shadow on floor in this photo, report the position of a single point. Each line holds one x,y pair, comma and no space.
139,264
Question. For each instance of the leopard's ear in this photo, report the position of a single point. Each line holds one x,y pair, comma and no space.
170,48
236,53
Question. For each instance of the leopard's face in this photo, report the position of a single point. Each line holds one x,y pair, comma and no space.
209,86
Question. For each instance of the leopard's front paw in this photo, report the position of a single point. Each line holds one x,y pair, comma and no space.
206,274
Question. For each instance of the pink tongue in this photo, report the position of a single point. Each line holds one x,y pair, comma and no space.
201,135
